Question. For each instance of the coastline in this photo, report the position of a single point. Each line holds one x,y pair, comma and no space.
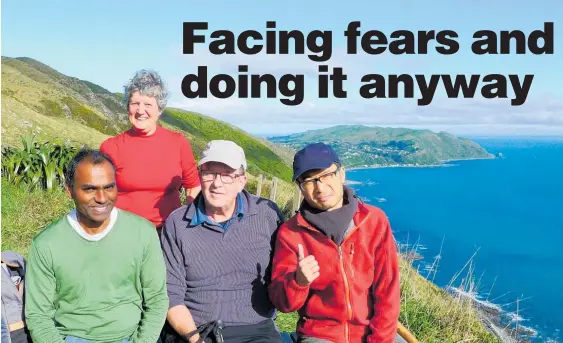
495,319
503,324
442,164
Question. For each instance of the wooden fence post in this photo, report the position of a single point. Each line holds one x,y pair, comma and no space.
274,190
259,185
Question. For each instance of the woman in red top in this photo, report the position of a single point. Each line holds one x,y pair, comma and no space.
152,163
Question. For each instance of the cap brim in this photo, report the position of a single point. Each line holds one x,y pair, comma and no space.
315,166
231,163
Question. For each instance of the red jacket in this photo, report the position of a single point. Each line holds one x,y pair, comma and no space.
356,297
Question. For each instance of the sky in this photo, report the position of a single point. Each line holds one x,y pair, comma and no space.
106,42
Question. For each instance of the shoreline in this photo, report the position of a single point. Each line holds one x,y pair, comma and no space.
442,164
497,322
493,318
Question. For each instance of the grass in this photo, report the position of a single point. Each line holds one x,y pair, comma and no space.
287,321
19,120
25,213
285,194
432,314
90,118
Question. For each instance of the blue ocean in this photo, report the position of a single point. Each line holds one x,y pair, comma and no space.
505,212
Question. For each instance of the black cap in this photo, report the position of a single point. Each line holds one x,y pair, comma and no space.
313,156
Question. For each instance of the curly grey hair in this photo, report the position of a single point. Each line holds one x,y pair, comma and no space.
147,82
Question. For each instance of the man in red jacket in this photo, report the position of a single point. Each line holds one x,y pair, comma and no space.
335,261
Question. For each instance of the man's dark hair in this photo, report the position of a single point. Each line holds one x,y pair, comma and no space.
92,156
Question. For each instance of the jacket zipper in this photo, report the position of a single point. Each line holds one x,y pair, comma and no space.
352,260
345,277
347,287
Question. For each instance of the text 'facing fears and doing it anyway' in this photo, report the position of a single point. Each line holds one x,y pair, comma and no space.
292,86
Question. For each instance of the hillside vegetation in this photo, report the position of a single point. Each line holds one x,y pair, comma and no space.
38,99
363,146
52,94
202,129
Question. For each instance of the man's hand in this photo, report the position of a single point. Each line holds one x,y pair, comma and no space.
307,268
194,338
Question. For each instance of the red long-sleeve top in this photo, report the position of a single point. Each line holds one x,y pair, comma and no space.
150,171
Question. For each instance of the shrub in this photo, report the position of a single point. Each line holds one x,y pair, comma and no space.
37,165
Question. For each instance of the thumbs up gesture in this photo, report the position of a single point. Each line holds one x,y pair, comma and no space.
307,268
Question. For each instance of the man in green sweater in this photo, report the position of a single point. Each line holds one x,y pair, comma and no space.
96,274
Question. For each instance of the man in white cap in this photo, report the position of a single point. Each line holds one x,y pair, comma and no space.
218,251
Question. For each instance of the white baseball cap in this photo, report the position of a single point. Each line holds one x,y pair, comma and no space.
227,152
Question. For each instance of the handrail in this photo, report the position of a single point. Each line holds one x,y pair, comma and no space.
406,334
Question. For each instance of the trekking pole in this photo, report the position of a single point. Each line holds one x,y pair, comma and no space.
406,334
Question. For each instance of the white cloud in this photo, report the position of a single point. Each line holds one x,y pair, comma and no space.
453,115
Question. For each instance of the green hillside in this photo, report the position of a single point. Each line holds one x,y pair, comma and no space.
38,99
52,94
201,129
363,146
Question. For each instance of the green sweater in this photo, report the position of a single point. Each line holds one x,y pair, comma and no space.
104,291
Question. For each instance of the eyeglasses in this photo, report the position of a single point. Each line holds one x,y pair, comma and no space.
310,183
207,175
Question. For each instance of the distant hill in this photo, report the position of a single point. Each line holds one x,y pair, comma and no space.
38,99
364,146
201,129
